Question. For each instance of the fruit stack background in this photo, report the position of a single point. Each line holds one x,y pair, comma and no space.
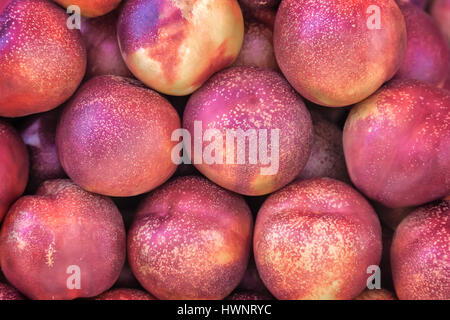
93,205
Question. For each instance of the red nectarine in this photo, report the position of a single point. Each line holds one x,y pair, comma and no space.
420,254
396,144
190,240
315,239
14,166
62,243
42,62
337,53
114,137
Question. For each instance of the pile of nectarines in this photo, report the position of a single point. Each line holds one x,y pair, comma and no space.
225,149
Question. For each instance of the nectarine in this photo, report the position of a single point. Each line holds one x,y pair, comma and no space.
14,166
420,254
62,243
315,239
190,240
252,133
91,8
427,55
396,144
175,46
337,53
42,62
114,137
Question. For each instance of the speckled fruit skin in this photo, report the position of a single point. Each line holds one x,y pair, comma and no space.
315,239
125,294
61,226
260,4
175,46
14,166
114,137
327,154
103,53
9,293
376,294
91,8
251,98
249,295
42,62
420,254
38,132
330,56
190,240
257,49
427,54
440,11
396,144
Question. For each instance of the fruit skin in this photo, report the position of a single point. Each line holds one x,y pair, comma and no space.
125,294
39,134
257,49
175,46
327,154
190,240
376,294
251,98
42,62
330,56
419,254
315,239
427,54
440,11
114,137
249,295
14,166
91,8
9,293
103,53
61,226
396,144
